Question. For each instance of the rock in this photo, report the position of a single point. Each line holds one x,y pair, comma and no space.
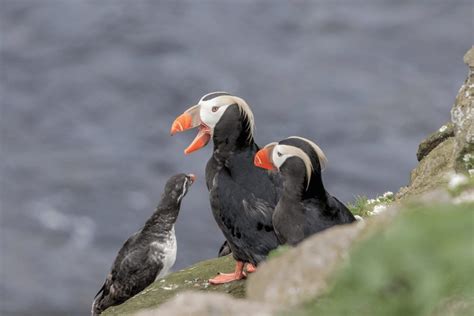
462,115
432,171
193,278
421,264
198,304
434,140
304,272
442,154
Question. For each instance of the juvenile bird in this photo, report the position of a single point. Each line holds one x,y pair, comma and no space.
305,207
149,253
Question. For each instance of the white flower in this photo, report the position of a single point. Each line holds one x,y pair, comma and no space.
378,209
457,180
388,195
467,157
443,128
471,172
371,201
358,218
465,197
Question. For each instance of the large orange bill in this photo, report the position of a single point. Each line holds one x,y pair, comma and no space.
262,159
189,119
182,123
201,140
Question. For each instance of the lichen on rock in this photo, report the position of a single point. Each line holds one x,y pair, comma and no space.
462,115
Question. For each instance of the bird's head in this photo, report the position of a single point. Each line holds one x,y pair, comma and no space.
293,151
215,111
177,186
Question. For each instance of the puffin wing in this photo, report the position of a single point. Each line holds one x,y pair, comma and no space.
245,220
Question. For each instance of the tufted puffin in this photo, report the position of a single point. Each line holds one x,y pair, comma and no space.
242,197
305,207
149,253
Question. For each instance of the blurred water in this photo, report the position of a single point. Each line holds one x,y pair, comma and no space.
89,89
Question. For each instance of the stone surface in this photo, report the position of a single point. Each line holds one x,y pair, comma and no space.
432,171
440,154
420,264
198,304
304,272
462,115
432,141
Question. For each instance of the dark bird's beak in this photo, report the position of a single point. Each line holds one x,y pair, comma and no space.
191,119
262,159
192,177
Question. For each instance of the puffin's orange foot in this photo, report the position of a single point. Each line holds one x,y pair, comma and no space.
229,277
250,268
226,278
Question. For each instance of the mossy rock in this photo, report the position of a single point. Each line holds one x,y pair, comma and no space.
193,278
420,265
432,171
432,141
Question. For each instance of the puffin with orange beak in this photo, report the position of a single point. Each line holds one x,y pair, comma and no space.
305,207
242,197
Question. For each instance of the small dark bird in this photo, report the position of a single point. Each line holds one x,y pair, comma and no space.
305,207
242,197
149,253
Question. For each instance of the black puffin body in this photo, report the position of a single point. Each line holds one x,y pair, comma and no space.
305,207
149,253
242,197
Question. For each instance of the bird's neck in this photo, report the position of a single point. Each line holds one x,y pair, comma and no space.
295,185
234,137
163,219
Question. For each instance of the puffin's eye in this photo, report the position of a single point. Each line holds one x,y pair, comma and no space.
215,108
279,154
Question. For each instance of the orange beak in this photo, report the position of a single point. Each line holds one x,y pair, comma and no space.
191,119
201,140
262,159
182,123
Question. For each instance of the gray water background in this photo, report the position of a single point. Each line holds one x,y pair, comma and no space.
89,90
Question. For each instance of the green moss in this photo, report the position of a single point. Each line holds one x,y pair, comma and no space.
432,170
278,251
192,278
421,265
364,206
360,206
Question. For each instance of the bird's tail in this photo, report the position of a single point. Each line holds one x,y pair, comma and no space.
96,304
96,310
224,250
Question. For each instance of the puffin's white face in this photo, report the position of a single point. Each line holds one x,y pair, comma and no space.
281,153
211,111
206,114
274,155
279,156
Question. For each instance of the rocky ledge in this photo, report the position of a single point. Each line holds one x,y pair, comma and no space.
411,254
